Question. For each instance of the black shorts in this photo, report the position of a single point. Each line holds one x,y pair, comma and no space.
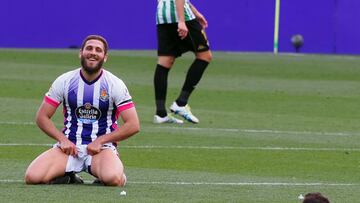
170,44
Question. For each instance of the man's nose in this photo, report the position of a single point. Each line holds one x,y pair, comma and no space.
92,51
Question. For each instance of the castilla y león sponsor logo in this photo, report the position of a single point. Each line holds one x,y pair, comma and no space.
87,113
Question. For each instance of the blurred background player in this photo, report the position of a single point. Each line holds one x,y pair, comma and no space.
92,99
180,28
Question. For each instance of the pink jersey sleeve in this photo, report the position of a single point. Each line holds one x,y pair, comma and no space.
123,107
51,101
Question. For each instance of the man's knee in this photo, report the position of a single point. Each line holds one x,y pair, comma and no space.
32,177
205,56
166,61
114,180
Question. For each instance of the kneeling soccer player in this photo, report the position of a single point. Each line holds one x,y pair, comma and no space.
92,100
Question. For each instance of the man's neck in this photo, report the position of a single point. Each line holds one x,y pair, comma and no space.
90,77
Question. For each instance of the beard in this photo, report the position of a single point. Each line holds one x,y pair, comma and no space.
91,70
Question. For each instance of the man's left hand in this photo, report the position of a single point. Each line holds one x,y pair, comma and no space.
203,22
94,147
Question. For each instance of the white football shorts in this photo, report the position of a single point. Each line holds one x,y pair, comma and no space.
83,160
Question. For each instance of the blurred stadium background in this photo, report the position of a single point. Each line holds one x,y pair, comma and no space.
328,26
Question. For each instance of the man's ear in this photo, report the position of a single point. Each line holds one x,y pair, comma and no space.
105,57
80,54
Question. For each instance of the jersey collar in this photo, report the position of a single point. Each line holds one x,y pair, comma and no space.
93,81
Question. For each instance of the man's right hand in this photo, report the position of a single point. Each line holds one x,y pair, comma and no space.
68,147
182,30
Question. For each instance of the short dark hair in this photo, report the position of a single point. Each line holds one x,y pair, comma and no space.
316,197
96,37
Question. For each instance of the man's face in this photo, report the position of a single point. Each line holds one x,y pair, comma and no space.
92,56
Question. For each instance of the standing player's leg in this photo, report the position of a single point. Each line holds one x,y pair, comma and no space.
163,67
198,43
108,168
168,39
194,75
160,85
46,167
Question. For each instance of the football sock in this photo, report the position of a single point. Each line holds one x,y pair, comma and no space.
193,77
183,98
160,108
160,85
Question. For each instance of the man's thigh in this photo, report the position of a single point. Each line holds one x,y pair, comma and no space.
47,166
106,165
169,41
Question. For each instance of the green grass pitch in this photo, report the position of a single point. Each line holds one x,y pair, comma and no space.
271,127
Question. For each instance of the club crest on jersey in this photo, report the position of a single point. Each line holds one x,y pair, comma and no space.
104,96
87,113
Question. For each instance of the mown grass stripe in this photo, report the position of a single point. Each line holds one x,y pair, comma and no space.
217,183
235,130
205,147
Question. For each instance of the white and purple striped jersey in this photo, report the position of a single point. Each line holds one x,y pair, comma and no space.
90,109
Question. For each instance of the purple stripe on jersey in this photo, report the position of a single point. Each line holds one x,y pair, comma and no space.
86,133
72,102
102,128
113,117
87,128
65,116
103,106
88,94
73,129
72,94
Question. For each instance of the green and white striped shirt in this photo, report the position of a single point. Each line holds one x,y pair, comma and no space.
166,12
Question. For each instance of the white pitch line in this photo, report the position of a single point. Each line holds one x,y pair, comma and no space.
197,129
242,148
245,183
232,130
16,123
25,144
205,147
217,183
265,131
